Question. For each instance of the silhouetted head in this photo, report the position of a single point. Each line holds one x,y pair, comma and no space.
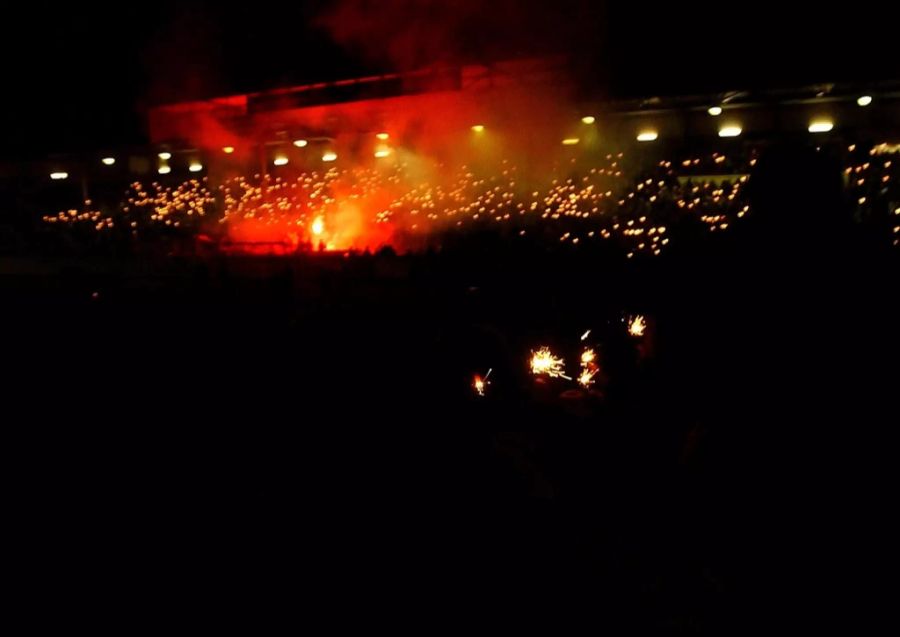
797,199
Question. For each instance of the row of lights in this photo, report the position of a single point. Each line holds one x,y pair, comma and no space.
730,130
61,174
382,150
817,126
733,130
862,100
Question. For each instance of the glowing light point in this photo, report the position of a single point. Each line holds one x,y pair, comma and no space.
383,152
280,160
58,176
382,136
715,111
108,161
164,170
300,143
821,126
478,128
864,100
195,167
228,149
329,156
165,156
648,136
318,226
730,131
570,141
588,119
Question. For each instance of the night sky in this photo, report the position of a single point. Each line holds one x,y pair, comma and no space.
81,76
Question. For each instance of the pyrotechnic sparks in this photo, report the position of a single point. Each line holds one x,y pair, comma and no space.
585,335
589,367
318,226
544,363
637,325
586,377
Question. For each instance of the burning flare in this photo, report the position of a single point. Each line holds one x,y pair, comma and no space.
480,384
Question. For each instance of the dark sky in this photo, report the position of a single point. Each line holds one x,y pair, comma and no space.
80,75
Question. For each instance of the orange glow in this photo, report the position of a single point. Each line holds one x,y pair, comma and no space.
588,119
588,356
280,160
318,226
383,152
300,143
228,149
329,155
478,128
382,136
570,141
647,136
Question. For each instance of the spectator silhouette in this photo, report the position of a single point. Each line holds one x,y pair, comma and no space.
770,353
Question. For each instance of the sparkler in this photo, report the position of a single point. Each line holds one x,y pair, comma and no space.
637,325
544,363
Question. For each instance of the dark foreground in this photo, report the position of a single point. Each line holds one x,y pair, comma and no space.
299,441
